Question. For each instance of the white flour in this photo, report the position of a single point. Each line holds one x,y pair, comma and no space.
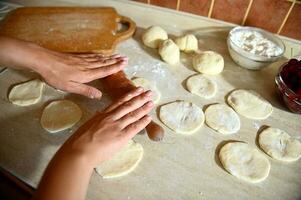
255,43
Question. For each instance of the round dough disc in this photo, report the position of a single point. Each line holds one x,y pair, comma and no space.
244,162
60,115
182,117
208,62
27,93
279,145
222,118
147,85
201,86
250,104
123,162
153,36
169,52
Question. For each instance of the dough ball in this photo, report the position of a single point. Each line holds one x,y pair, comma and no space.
244,162
222,118
187,43
60,115
182,117
153,36
208,62
147,85
250,104
169,52
123,162
27,93
201,86
279,145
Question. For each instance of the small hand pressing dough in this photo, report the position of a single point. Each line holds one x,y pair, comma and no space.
201,86
27,93
187,43
147,85
169,52
153,36
208,62
250,104
222,118
182,117
60,115
279,145
123,162
244,162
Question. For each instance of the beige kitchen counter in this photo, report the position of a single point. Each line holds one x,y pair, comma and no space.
180,167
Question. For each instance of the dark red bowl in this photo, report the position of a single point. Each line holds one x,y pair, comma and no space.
290,98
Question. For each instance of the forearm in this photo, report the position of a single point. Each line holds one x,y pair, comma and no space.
66,178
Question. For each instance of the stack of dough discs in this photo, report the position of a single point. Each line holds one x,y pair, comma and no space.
60,115
123,162
244,162
147,85
182,117
201,86
279,145
250,104
27,93
208,62
222,118
153,36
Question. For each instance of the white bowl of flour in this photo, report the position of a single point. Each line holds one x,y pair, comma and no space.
254,48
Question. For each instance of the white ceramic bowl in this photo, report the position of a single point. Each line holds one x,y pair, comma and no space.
249,60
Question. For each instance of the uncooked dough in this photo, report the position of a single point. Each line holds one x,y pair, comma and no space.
187,43
208,62
222,118
169,52
202,86
182,117
27,93
244,162
153,36
60,115
147,85
250,104
279,145
123,162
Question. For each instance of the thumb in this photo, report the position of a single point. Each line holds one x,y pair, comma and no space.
83,89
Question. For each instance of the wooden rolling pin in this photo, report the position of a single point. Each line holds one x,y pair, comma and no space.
118,85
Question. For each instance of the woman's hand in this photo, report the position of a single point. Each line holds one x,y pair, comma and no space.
107,132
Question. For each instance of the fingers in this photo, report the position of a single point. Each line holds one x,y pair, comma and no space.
137,91
136,114
97,63
131,105
83,89
131,130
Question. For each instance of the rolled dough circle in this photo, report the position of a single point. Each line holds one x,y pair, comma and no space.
147,85
279,145
201,86
250,104
169,52
60,115
222,118
182,117
208,62
153,36
244,162
187,43
27,93
123,162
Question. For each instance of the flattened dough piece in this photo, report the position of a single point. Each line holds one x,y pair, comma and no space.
244,162
250,104
60,115
279,145
222,118
123,162
27,93
147,85
201,86
182,117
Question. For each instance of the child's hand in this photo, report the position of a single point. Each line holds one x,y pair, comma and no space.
107,132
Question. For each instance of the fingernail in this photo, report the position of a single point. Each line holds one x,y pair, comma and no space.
96,95
139,89
148,93
150,104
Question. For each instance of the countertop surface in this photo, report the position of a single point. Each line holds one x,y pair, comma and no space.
179,167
